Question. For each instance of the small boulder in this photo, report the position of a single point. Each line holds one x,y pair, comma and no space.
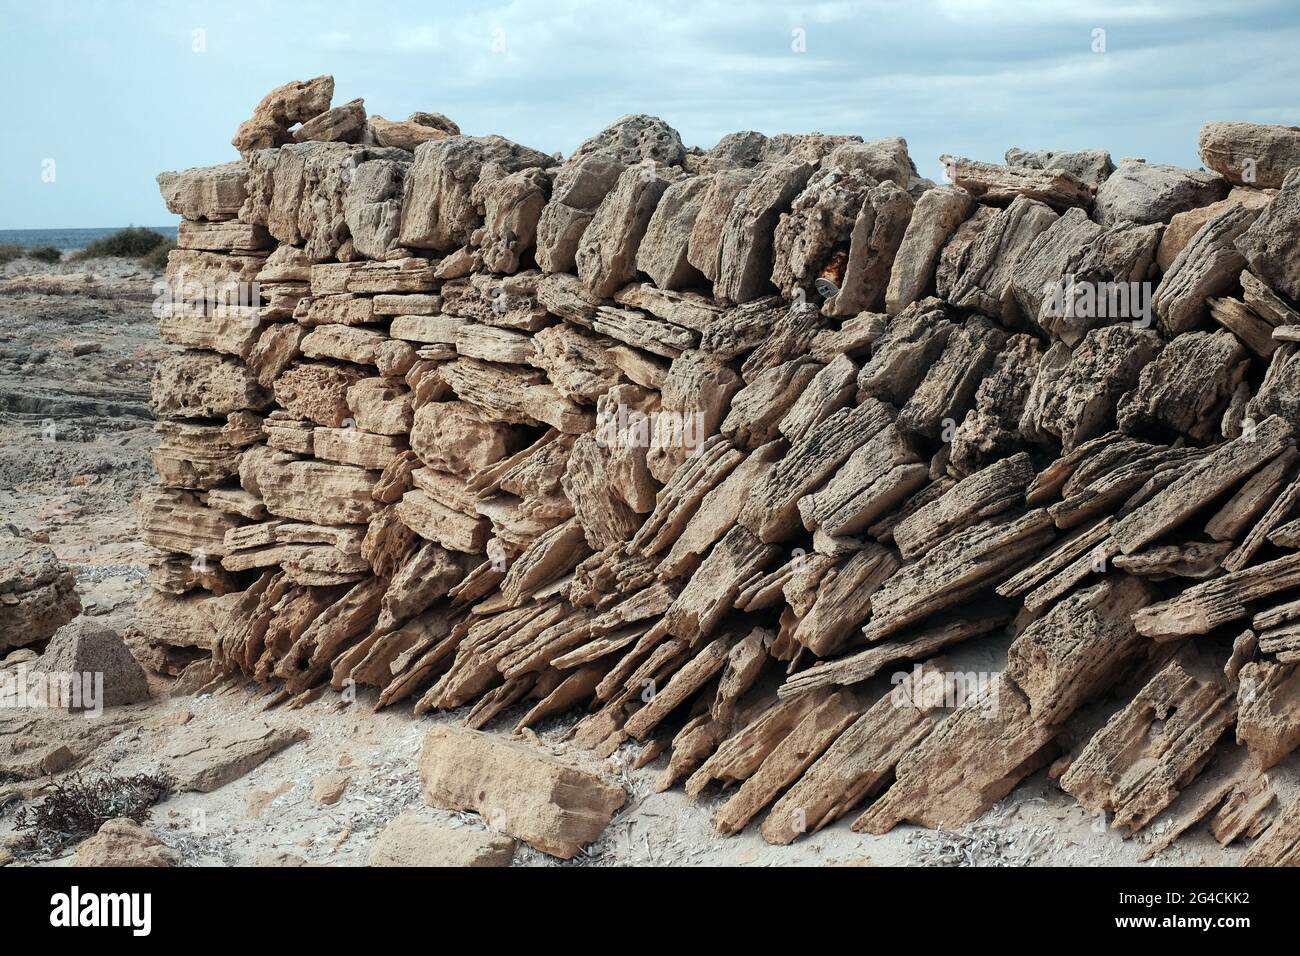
1251,154
416,129
88,647
1152,192
280,110
410,840
342,124
38,593
123,842
329,788
549,804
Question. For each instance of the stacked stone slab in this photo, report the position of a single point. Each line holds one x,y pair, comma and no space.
694,444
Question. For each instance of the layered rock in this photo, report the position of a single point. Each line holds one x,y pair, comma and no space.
648,430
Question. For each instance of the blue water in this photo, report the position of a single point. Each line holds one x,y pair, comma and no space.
65,240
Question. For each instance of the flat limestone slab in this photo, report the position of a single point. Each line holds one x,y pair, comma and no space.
202,758
410,840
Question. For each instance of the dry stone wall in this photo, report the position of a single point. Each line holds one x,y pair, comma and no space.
692,445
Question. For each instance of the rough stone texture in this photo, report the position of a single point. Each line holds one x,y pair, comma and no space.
211,193
662,254
1207,266
317,391
1272,244
541,439
1184,225
819,223
511,203
201,758
1150,192
342,124
1251,154
1092,166
550,805
280,110
745,262
1186,388
579,187
410,840
607,253
38,593
937,214
84,646
409,133
1075,394
438,210
372,206
877,235
123,842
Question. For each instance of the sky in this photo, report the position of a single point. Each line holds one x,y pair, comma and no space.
101,96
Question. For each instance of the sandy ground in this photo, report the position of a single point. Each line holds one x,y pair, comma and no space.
74,444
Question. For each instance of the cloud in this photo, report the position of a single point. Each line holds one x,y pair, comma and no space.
972,77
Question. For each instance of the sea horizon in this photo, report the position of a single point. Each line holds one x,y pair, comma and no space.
68,240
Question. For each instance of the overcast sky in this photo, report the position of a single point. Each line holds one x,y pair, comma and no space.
115,91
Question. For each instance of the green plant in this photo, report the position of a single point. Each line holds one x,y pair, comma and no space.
10,253
131,242
44,254
156,258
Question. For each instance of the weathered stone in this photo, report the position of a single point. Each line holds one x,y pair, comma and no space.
1150,192
342,124
212,193
936,215
280,109
438,210
511,204
1184,390
550,805
204,385
84,646
201,757
318,391
606,254
123,842
1093,166
663,252
745,263
1075,394
372,206
410,840
1272,244
580,186
409,133
38,593
1251,154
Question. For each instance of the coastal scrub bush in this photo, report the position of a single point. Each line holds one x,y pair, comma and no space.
156,258
131,242
44,254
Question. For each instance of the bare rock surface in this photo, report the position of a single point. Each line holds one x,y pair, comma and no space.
411,840
123,842
531,795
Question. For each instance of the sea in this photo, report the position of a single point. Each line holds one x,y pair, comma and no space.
65,240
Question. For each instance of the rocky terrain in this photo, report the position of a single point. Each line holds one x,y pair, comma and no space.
758,503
